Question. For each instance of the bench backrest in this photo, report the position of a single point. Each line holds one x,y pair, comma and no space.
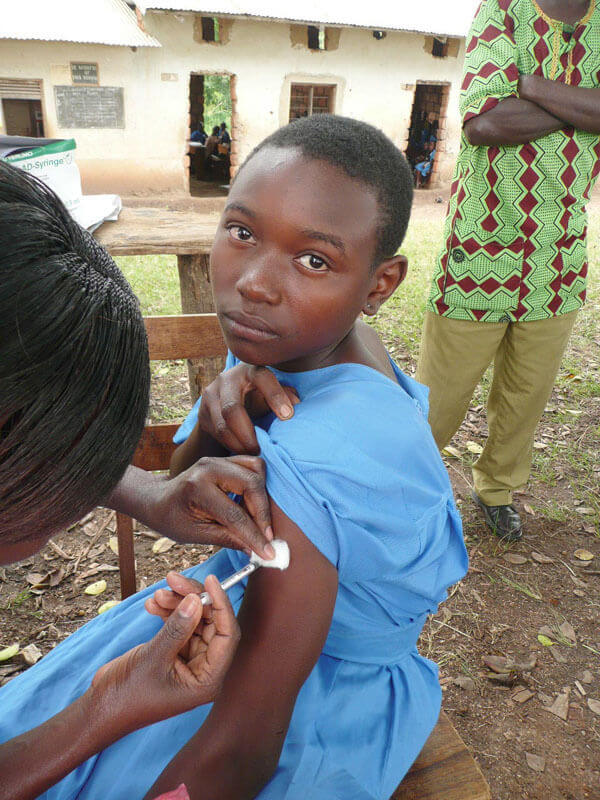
169,337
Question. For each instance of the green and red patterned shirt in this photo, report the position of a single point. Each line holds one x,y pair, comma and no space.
515,236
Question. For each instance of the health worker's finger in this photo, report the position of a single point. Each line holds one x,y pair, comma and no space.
237,528
182,584
152,607
277,397
179,628
224,640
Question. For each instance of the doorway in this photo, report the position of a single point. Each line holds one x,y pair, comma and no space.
427,131
23,117
210,136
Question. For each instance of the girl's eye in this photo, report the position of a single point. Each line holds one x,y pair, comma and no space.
313,262
240,233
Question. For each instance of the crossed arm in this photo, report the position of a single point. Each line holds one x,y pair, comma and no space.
543,106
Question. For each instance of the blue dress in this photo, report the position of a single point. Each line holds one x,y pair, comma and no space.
357,470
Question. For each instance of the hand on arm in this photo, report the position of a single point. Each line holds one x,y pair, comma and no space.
513,121
575,105
180,668
194,506
229,404
285,618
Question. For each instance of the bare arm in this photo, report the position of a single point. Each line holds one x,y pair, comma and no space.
513,121
36,760
576,106
285,618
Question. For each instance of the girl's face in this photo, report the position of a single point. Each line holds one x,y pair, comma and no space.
290,261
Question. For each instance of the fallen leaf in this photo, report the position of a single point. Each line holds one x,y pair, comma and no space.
583,555
474,447
589,528
557,655
452,452
529,509
594,705
573,412
522,695
113,543
545,640
95,570
9,652
541,558
540,445
466,683
586,510
95,588
560,707
514,558
162,545
536,763
31,654
579,593
586,676
568,631
108,605
35,578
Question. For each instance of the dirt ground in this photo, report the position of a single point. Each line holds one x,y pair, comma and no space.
518,642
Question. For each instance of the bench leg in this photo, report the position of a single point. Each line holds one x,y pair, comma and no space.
126,555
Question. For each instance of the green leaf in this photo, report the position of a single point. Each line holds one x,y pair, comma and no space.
545,640
9,652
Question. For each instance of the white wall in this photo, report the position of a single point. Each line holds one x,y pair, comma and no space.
149,154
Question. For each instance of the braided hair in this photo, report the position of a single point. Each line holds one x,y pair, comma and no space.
74,370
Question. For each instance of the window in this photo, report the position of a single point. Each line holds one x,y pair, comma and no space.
210,29
316,38
439,47
307,99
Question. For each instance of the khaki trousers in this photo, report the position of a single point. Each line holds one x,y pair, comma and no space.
526,355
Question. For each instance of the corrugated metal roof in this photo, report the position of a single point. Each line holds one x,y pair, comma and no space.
444,17
91,21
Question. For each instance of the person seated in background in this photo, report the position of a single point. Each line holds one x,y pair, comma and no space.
424,166
212,142
199,135
224,137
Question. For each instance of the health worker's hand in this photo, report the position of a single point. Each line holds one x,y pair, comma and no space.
194,506
238,396
182,667
164,601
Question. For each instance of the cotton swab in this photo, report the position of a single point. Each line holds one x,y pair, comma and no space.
281,561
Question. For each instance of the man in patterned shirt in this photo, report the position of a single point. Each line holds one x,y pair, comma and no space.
512,272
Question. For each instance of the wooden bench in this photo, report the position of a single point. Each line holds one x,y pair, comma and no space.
190,336
444,770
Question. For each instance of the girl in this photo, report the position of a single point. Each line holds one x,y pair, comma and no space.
327,696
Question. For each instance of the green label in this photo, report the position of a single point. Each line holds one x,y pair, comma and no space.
45,150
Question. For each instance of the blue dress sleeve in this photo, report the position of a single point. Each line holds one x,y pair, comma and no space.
189,423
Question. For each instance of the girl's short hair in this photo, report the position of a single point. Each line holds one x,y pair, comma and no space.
74,369
363,152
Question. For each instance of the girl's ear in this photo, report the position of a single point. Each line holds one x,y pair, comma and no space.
386,279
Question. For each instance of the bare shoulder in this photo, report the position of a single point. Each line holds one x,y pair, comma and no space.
376,355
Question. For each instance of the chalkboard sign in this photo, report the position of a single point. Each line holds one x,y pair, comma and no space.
89,106
84,73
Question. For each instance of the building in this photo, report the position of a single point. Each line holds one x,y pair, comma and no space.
127,82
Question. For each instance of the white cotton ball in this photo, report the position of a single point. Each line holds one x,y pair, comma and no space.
282,556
